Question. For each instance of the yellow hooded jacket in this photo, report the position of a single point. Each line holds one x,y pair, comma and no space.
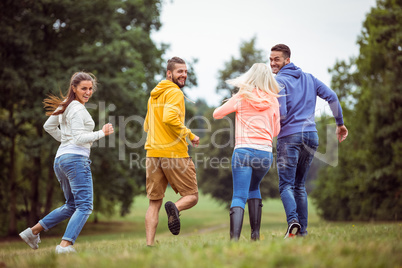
164,122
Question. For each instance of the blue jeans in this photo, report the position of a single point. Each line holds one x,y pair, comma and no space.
74,174
249,166
294,156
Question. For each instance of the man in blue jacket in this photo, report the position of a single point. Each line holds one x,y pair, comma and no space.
298,139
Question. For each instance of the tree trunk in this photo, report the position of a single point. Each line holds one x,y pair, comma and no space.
36,175
49,186
12,216
35,206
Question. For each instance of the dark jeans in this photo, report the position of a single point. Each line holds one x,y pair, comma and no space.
294,156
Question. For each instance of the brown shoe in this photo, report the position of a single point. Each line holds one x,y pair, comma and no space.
173,217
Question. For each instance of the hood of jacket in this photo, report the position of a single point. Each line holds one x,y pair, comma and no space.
266,102
162,87
290,69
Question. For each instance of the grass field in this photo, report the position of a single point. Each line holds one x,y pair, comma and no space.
204,242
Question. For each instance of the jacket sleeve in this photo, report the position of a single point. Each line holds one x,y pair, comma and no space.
146,125
330,96
228,107
51,126
277,123
80,134
283,110
172,113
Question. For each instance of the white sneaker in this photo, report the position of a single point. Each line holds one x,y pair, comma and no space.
62,250
31,239
293,229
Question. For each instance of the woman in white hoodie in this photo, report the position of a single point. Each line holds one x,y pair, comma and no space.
72,164
257,123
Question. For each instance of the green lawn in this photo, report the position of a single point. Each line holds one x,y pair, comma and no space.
204,242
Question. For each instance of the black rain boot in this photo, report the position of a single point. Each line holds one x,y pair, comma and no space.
236,222
254,210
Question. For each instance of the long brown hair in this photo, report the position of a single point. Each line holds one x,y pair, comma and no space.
52,102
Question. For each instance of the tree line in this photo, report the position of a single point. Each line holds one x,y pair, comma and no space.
367,183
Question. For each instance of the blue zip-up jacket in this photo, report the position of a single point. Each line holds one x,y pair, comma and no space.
298,100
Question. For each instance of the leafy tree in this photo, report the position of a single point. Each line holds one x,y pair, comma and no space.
367,184
214,160
42,43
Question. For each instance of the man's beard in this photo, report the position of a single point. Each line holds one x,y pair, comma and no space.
174,80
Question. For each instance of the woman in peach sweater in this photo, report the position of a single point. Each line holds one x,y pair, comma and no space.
257,123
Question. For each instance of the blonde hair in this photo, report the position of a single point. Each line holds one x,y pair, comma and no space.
52,102
258,77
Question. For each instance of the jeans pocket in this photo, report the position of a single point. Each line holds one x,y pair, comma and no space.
240,158
69,169
315,143
87,166
311,140
287,155
266,161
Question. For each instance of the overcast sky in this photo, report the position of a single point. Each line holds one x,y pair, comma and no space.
318,32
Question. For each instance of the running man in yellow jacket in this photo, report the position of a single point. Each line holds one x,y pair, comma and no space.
168,160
